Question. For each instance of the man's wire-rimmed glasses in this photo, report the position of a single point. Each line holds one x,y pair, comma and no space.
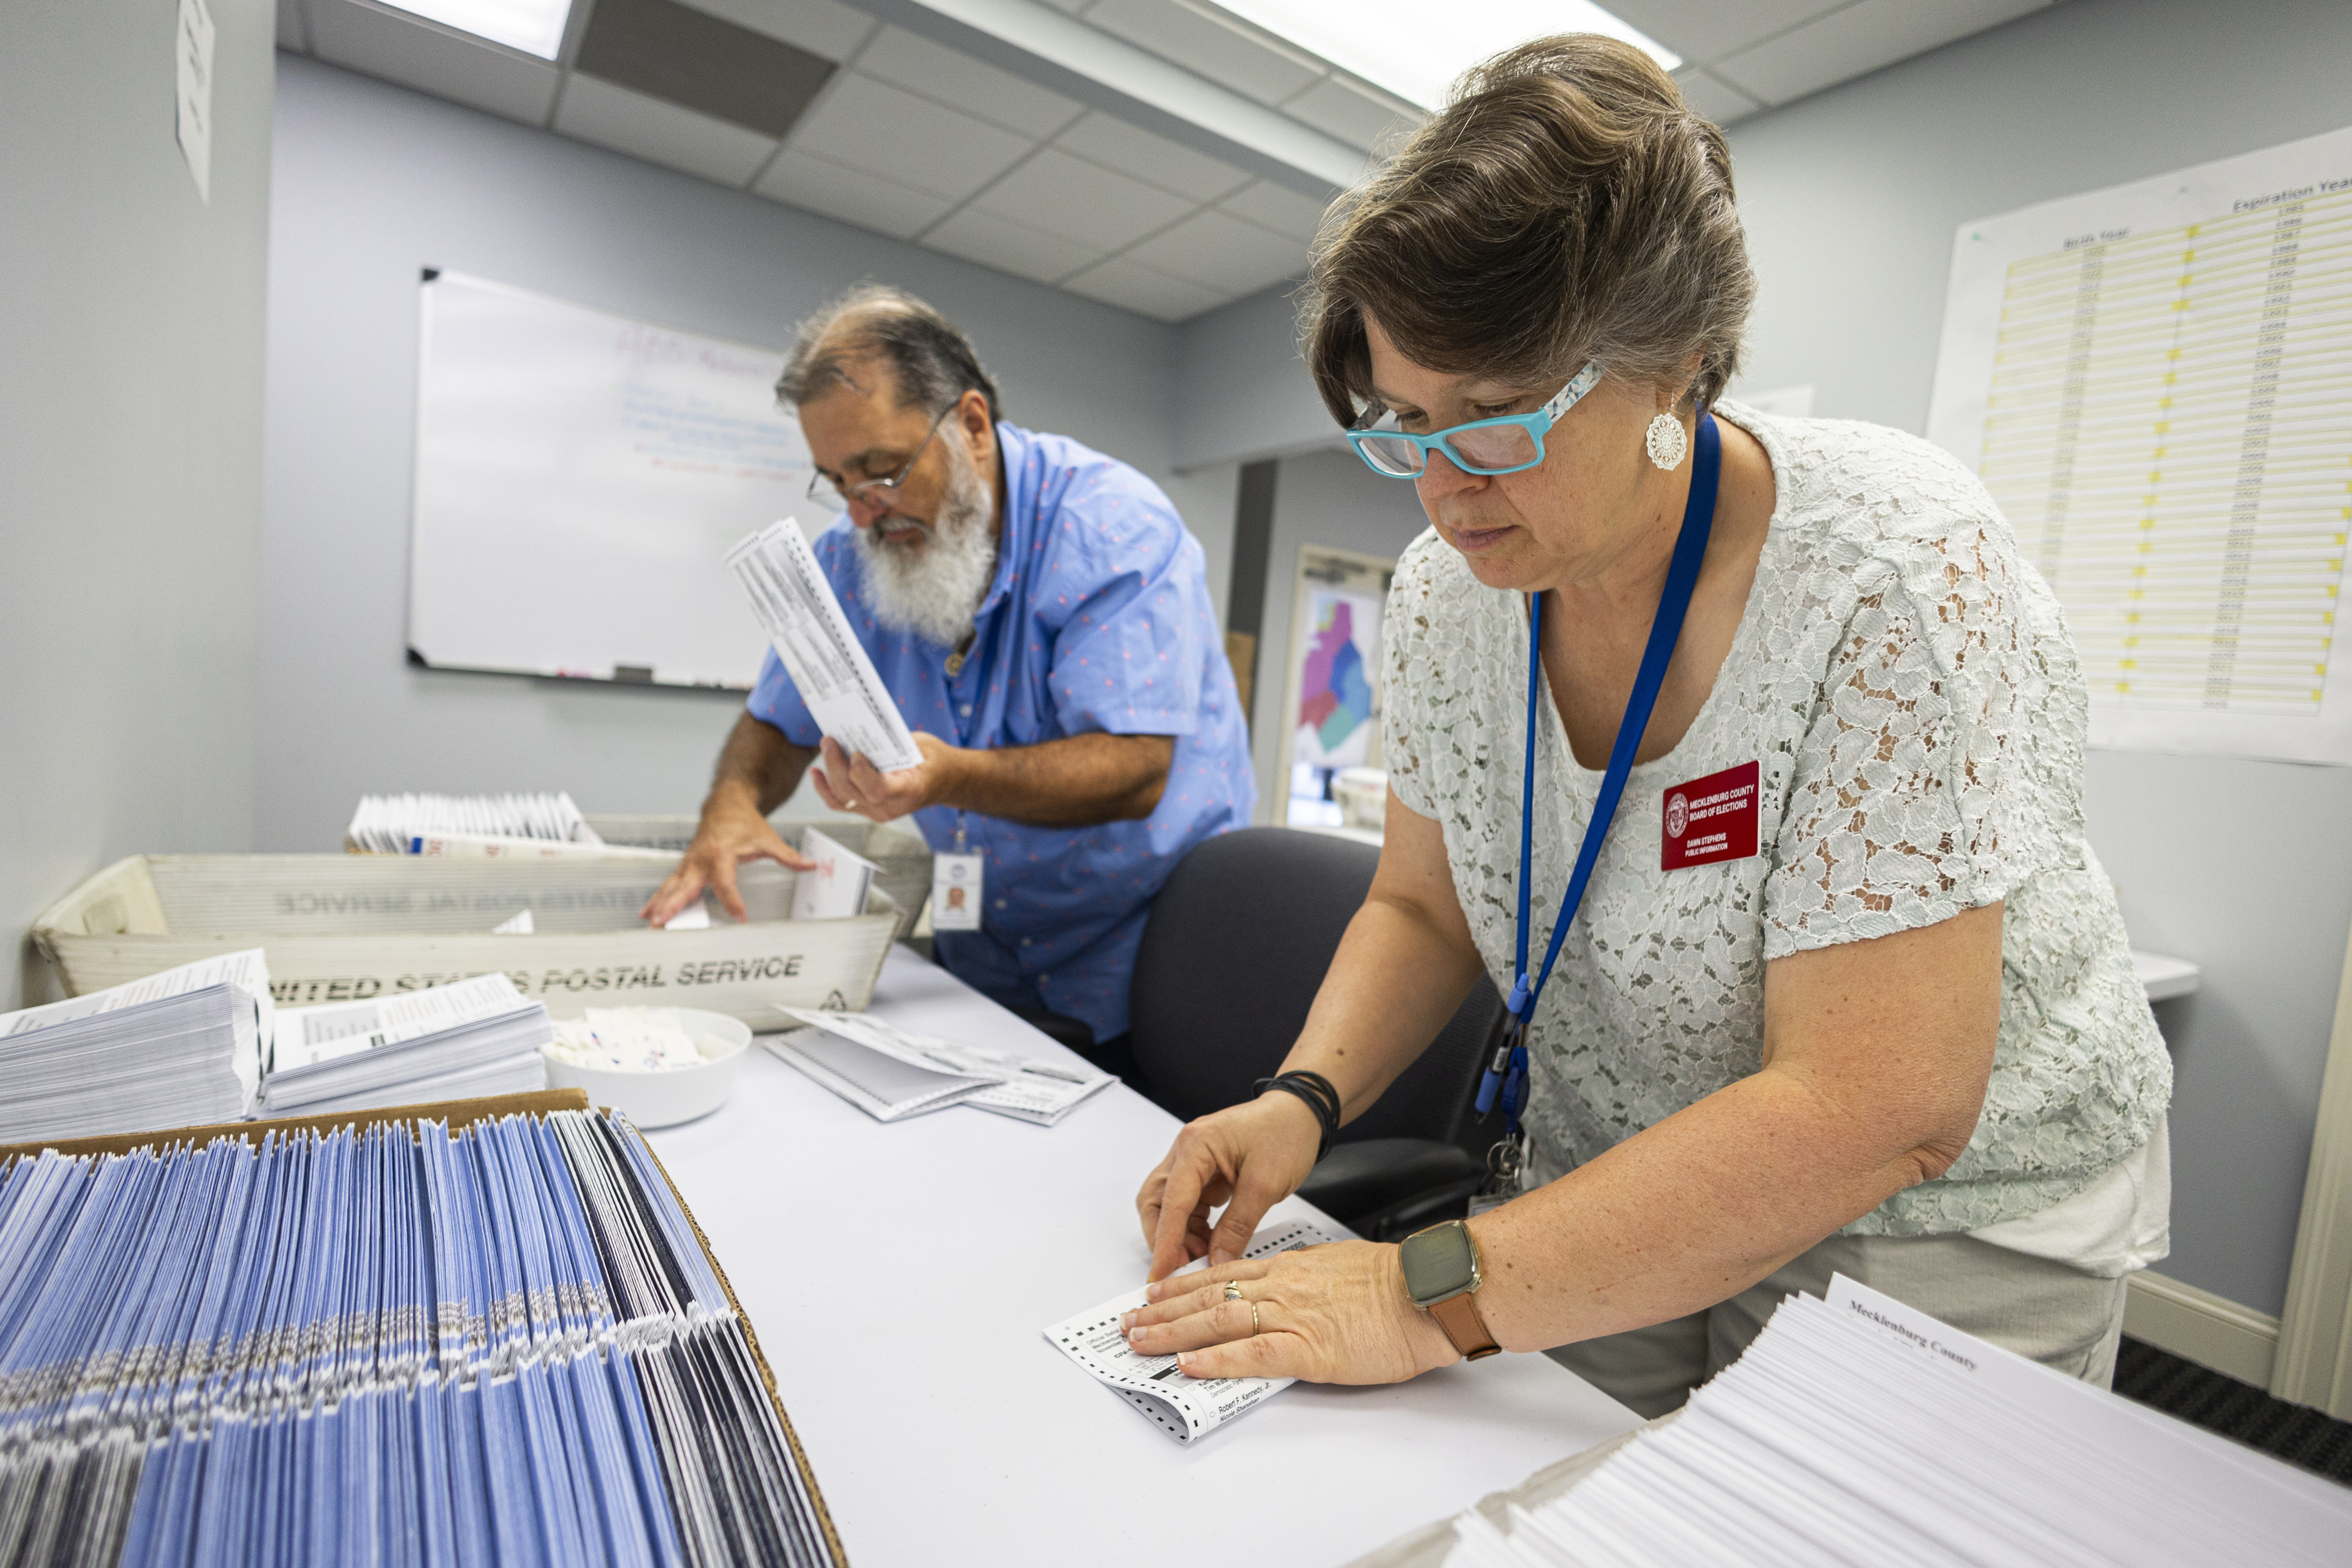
824,491
1500,446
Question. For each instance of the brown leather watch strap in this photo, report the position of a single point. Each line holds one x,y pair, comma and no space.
1465,1326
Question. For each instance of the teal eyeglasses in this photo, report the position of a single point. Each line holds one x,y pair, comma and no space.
1501,446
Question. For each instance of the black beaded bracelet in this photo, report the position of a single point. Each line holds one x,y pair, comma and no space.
1320,1098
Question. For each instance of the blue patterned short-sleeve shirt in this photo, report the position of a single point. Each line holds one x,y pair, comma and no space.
1098,620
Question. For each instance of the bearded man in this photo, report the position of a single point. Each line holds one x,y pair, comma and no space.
1043,619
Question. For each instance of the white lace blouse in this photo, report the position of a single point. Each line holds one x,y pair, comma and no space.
1908,688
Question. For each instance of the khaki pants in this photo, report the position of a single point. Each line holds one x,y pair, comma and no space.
2044,1311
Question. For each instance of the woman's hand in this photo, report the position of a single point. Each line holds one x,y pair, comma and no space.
1336,1313
1255,1154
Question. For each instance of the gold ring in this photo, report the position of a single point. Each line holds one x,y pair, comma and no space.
1232,1289
1254,1330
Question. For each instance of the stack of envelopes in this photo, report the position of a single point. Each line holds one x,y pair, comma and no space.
498,1344
477,1038
181,1047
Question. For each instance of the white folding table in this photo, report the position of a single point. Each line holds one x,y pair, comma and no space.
898,1278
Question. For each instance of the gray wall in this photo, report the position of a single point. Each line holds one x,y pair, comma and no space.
374,182
129,446
1851,199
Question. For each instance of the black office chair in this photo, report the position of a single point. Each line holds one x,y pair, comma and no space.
1235,949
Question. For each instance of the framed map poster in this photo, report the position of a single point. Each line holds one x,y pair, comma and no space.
1332,715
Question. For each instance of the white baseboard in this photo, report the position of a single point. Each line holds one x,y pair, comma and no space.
2197,1325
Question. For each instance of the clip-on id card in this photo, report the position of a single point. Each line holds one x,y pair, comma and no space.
955,892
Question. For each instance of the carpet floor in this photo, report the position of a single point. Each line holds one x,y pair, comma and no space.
2295,1433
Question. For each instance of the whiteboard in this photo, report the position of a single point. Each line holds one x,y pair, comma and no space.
580,478
2155,382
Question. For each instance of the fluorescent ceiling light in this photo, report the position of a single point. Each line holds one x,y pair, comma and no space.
534,26
1415,49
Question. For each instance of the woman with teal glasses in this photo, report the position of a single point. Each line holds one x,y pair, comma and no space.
1743,755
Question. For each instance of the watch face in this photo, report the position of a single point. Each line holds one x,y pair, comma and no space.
1438,1263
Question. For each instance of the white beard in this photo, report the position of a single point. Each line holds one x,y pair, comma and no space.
934,591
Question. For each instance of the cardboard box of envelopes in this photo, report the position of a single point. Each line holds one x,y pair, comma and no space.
347,927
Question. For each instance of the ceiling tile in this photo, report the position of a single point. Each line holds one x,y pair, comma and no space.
961,82
869,201
1131,286
1010,247
1858,39
1059,194
823,28
1704,30
1338,108
1272,206
1712,96
289,26
701,62
1153,159
415,53
870,125
1223,254
1225,55
596,111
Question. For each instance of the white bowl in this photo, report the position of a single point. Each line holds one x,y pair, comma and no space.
679,1094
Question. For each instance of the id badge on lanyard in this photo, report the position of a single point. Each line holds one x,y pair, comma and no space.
958,883
1507,1073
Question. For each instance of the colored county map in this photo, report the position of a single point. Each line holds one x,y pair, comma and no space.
1336,697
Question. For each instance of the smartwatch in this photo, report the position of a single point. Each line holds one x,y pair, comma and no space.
1441,1275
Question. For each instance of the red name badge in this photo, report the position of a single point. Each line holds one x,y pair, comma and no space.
1711,819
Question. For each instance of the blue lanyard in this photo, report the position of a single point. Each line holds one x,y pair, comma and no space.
1508,1070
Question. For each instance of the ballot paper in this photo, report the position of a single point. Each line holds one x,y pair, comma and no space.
495,846
1186,1408
475,1037
1859,1429
838,887
391,824
796,605
1021,1087
174,1049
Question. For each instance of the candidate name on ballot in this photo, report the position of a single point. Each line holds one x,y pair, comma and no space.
1182,1407
804,618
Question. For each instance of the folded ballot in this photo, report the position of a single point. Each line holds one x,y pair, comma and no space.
478,1036
1184,1407
174,1049
891,1073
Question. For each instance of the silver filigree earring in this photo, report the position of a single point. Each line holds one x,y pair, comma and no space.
1669,442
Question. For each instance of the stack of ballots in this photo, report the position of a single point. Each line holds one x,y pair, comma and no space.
475,1037
501,1342
399,824
1859,1430
174,1048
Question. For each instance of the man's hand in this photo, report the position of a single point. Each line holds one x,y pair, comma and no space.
731,834
856,785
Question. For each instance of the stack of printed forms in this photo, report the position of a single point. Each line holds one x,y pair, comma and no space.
477,1038
1858,1431
460,824
892,1073
175,1049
